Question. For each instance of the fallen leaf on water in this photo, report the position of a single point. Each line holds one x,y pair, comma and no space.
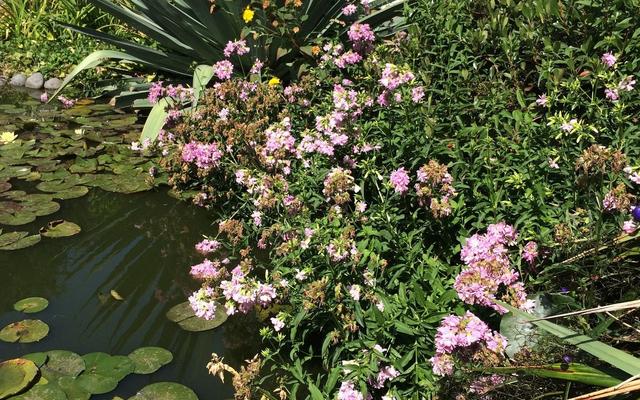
116,295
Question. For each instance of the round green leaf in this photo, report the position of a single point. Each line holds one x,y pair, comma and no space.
116,367
70,387
60,228
48,391
65,362
38,358
17,219
72,193
185,317
165,391
27,331
12,237
15,375
96,383
31,305
23,243
148,360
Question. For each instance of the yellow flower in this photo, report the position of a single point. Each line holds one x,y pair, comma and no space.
7,137
274,81
248,14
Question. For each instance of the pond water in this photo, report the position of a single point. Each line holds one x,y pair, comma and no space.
141,246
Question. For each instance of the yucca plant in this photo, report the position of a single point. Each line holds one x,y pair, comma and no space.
193,32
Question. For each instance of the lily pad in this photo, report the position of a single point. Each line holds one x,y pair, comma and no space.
116,367
165,391
38,358
31,305
42,208
23,243
11,237
148,360
55,186
27,331
15,376
72,193
96,383
20,218
48,391
186,318
60,228
65,363
70,387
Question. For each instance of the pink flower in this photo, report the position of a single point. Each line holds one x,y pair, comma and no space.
442,364
206,270
203,303
627,84
542,100
207,246
569,126
238,47
44,97
417,94
223,69
256,68
362,37
277,324
257,217
400,180
609,59
611,94
629,227
530,252
205,156
349,9
354,291
348,392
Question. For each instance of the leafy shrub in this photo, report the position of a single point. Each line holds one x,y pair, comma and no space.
349,201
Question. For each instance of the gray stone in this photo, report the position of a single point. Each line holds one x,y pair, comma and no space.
53,84
3,81
18,80
35,81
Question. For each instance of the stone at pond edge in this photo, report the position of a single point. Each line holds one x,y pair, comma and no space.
15,375
53,84
31,305
184,315
60,228
35,81
27,331
148,360
23,243
165,391
18,80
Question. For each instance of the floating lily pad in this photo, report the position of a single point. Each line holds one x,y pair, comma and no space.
116,367
55,186
48,391
70,387
23,243
60,228
37,358
31,305
20,218
15,376
184,315
148,360
65,363
27,331
165,391
72,193
96,383
43,208
11,237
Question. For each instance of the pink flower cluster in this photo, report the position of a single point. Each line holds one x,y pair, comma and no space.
385,374
223,69
203,302
348,392
467,332
399,179
207,270
361,37
238,47
435,188
394,77
243,293
66,103
609,59
158,91
530,252
205,156
488,270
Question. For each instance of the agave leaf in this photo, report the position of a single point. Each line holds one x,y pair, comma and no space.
618,358
201,77
156,119
569,372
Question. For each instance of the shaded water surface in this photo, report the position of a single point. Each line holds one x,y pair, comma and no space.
141,246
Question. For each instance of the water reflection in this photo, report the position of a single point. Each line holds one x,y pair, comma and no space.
139,245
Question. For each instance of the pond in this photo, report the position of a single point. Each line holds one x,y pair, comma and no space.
140,246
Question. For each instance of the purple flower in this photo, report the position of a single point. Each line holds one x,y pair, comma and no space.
223,69
256,68
609,59
542,100
417,94
207,246
530,252
203,303
636,213
44,97
348,392
629,227
349,9
611,94
399,179
277,324
238,47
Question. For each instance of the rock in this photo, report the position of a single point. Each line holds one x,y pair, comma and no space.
3,81
35,81
53,84
18,80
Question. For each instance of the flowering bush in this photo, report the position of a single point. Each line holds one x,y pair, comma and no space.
380,207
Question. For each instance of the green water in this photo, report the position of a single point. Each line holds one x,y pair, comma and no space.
140,245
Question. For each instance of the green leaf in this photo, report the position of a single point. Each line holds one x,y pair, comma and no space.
201,77
569,372
618,358
31,305
316,394
156,119
15,375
